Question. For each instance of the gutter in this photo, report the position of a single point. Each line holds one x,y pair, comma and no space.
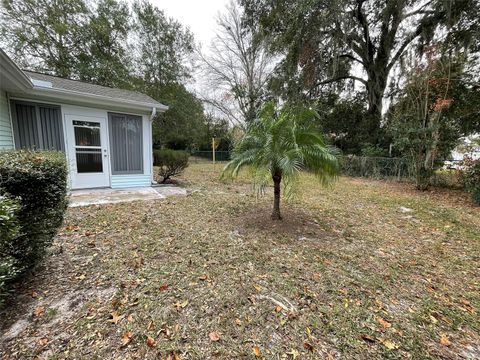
154,112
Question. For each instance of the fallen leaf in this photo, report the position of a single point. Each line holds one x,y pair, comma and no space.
256,351
278,308
238,322
130,318
368,338
214,336
385,324
173,356
42,342
308,346
294,353
180,305
309,331
164,287
390,345
151,342
115,318
444,340
39,311
150,326
257,287
126,337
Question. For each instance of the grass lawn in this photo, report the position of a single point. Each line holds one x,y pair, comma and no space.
363,270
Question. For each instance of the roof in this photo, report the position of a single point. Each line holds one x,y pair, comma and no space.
11,77
54,82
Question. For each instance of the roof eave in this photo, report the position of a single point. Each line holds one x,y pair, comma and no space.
14,73
95,99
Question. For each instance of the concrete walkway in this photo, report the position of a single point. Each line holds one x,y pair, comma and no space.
111,196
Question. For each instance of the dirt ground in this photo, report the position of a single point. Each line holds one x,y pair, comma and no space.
360,270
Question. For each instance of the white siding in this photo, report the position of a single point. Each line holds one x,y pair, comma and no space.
6,137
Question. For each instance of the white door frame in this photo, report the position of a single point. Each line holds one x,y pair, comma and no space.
88,179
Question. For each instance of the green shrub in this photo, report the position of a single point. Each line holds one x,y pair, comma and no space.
471,177
376,167
9,230
170,162
39,181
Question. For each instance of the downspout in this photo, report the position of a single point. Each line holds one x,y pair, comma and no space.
152,117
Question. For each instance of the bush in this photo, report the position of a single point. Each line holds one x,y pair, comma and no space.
39,181
170,162
9,229
376,167
471,177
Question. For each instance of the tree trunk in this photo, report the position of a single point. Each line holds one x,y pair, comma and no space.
277,178
376,85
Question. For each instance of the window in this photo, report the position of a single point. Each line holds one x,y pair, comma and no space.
126,146
37,126
88,148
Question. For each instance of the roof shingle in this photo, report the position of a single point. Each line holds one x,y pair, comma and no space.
86,88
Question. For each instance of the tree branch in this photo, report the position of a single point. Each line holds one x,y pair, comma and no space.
338,78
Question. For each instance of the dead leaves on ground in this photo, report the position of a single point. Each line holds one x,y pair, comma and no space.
444,340
214,336
151,342
126,337
115,317
385,324
389,344
39,311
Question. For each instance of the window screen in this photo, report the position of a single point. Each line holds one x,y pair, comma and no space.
126,146
37,126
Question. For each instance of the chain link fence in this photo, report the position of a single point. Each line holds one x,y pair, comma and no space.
399,169
199,156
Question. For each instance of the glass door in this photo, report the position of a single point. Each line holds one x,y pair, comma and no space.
88,153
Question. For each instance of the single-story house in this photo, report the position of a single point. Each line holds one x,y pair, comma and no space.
106,133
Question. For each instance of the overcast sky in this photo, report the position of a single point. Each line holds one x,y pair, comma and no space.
198,15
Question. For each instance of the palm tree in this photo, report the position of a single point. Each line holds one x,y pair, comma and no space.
277,146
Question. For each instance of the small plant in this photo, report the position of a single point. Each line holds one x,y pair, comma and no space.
471,177
280,144
170,162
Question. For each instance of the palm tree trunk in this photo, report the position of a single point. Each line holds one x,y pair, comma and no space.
277,178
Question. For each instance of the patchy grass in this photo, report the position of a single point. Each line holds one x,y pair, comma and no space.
347,274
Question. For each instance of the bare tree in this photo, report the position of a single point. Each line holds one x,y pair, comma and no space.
236,69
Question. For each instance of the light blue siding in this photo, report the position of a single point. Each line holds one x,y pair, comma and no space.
126,181
6,137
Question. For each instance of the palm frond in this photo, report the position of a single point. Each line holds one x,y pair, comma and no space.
282,141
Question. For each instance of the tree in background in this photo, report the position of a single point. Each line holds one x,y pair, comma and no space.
345,122
182,127
332,43
236,70
103,57
280,144
437,106
45,35
163,45
218,128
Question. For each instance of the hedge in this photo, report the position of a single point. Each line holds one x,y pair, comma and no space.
471,177
170,162
38,181
9,229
